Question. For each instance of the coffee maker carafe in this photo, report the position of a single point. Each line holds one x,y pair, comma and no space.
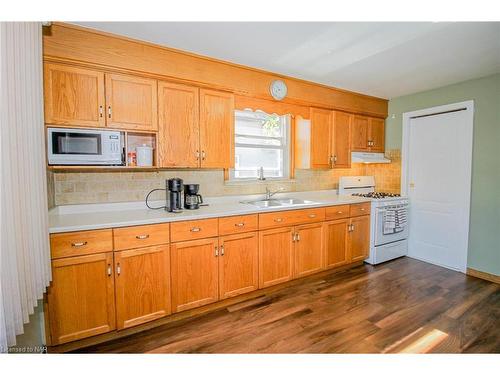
192,199
174,195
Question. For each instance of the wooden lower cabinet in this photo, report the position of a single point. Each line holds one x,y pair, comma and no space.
194,271
359,238
336,243
142,284
238,264
81,298
308,249
275,256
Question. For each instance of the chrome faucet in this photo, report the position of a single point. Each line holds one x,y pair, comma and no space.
270,193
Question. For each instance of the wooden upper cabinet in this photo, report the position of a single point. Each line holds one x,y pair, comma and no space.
359,133
142,281
81,299
131,102
308,252
336,243
238,264
73,96
377,134
359,238
275,256
178,125
194,270
321,138
216,129
341,142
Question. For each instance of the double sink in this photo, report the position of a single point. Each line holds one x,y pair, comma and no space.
283,202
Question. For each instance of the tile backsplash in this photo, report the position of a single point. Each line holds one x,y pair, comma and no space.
104,187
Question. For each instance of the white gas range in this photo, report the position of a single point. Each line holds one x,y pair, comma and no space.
389,218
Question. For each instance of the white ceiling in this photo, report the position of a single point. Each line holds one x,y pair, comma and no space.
376,58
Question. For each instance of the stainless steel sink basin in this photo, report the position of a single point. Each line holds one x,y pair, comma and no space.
293,201
278,202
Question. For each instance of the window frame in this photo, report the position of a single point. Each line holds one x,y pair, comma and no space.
286,147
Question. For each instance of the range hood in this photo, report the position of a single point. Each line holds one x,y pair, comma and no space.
369,158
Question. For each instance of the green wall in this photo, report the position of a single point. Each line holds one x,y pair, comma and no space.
484,236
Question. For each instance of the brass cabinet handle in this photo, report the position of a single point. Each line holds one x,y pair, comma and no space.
361,209
195,229
334,159
109,270
216,251
312,215
100,111
197,155
339,212
239,224
297,236
142,236
222,250
109,111
278,220
118,269
203,155
79,244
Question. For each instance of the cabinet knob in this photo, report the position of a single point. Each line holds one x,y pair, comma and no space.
195,229
142,236
339,212
239,224
312,216
278,220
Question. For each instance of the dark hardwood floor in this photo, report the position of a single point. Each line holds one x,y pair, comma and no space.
401,306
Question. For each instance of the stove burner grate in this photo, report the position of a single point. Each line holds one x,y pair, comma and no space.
377,195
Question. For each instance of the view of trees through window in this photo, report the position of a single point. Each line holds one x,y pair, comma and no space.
261,140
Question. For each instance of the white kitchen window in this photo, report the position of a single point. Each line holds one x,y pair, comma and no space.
262,140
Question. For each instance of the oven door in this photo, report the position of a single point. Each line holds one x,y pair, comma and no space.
80,146
382,238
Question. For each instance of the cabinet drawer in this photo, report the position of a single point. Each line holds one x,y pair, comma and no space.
238,224
337,212
286,218
141,236
194,229
360,209
80,243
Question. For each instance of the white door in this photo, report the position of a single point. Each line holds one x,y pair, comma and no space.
438,181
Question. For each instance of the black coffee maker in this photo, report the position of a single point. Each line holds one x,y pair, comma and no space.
174,195
192,199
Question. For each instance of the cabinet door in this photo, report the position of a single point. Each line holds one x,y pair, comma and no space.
142,280
308,252
238,264
178,125
359,238
131,102
359,133
321,138
81,299
216,129
377,134
336,243
194,269
275,256
341,145
73,96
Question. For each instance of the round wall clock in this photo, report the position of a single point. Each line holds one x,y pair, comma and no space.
278,89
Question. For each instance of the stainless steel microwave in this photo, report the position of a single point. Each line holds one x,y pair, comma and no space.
67,146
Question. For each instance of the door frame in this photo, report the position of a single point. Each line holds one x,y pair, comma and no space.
468,108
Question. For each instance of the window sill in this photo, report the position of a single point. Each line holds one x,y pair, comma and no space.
259,182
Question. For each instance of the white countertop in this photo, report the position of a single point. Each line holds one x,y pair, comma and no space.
112,215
